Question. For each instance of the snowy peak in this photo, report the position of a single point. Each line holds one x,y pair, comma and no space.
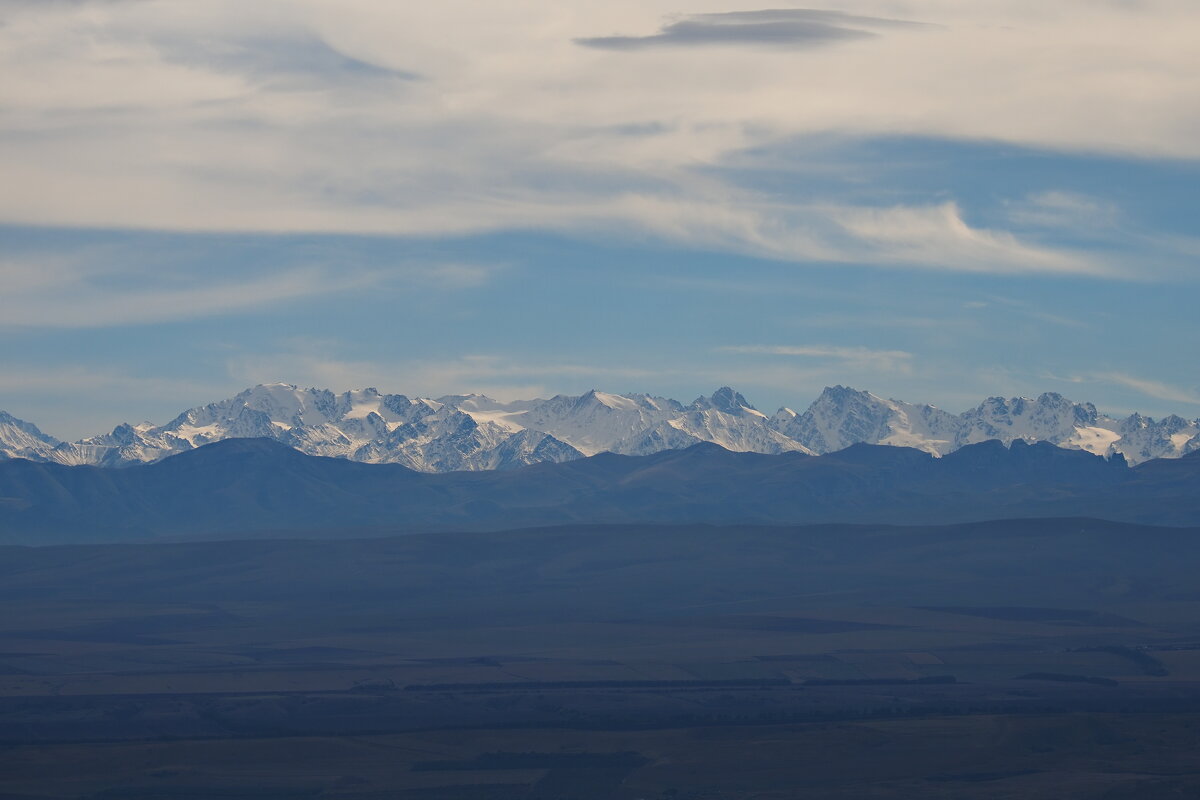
1048,418
21,439
361,425
9,422
613,402
286,404
842,416
596,421
475,432
640,424
727,401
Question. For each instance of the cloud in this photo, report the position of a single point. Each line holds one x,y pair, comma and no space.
300,116
457,275
1027,310
1066,211
852,357
121,283
44,382
17,5
923,237
286,63
939,237
771,28
1156,389
74,299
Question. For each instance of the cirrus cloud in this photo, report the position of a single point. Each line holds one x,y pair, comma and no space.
851,357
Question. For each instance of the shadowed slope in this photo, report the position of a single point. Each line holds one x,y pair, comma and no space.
259,486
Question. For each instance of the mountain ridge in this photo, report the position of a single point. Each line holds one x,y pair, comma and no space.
475,432
252,487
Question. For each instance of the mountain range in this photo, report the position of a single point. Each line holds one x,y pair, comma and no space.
242,487
474,432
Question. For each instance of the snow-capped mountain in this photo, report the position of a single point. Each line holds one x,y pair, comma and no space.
21,439
842,416
1143,439
638,424
361,425
462,432
473,432
1053,418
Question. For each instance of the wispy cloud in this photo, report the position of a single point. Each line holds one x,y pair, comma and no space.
284,62
1025,309
457,275
853,357
1066,211
75,300
939,237
103,286
46,382
909,237
1156,389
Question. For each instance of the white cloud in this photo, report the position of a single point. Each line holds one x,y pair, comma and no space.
938,237
401,118
73,300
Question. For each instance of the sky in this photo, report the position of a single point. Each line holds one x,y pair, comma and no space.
933,200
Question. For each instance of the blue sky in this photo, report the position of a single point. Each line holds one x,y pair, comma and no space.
933,202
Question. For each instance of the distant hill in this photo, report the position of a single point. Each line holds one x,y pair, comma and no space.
259,487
